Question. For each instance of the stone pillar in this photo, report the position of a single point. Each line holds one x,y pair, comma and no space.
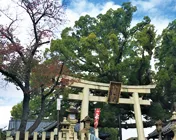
26,135
65,129
173,124
17,137
71,131
138,117
85,103
43,135
173,128
35,136
51,135
159,125
96,133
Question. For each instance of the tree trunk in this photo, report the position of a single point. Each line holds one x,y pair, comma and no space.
39,118
25,114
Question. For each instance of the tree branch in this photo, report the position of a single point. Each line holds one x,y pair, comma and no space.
14,77
9,36
42,43
31,15
55,83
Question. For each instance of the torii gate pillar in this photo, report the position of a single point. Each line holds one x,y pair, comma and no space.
85,103
138,117
84,107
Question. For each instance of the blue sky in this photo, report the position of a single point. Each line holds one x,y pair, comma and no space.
161,13
165,8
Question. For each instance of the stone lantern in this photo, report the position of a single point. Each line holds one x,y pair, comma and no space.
65,128
72,115
173,124
159,125
72,119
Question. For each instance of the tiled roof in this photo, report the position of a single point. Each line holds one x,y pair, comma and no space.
48,127
15,124
165,130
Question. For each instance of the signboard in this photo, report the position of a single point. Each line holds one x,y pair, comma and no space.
58,104
114,92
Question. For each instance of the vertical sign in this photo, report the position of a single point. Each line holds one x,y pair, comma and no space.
96,117
114,92
58,104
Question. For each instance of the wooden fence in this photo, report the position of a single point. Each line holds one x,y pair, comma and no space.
42,136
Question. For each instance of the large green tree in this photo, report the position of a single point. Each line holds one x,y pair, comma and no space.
165,54
106,48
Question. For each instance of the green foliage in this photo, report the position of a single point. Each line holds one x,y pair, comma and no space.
166,65
2,134
112,131
100,46
16,111
158,112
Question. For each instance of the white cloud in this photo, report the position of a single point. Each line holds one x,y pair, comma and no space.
159,11
150,5
81,8
10,91
9,96
109,5
145,5
160,23
5,116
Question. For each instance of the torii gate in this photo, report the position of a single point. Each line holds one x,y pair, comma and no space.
135,100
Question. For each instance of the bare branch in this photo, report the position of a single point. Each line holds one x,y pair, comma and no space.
5,14
46,42
8,34
39,12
